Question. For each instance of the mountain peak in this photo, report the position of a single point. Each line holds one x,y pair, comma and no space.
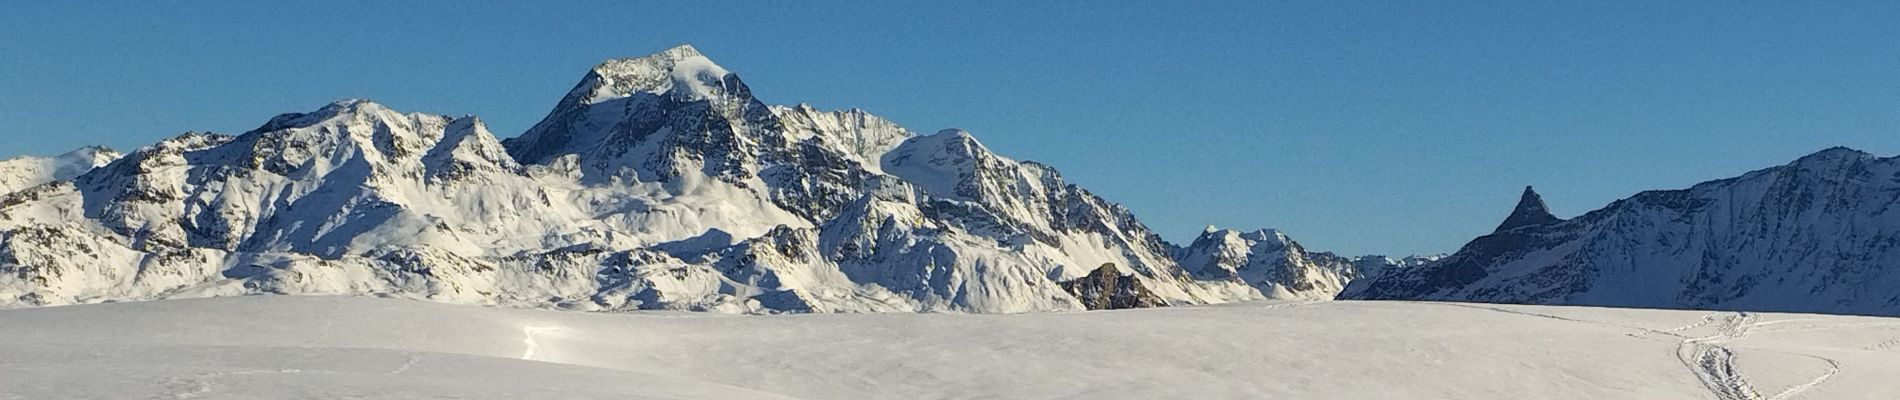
352,106
625,102
1268,235
683,50
90,152
681,70
1833,154
335,108
1530,211
958,134
352,103
673,55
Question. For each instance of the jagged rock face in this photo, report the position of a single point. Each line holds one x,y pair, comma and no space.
349,177
1530,211
1108,289
1371,266
654,118
1269,262
1821,234
675,116
854,134
659,182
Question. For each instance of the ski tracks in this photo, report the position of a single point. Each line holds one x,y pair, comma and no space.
1884,345
406,365
1714,363
1640,330
1291,304
200,385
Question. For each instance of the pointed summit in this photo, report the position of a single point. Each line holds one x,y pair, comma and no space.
681,71
656,116
1530,211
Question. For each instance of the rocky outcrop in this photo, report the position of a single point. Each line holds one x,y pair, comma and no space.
1530,211
1108,289
1273,265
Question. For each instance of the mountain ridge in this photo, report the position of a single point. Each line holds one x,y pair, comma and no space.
1813,235
658,182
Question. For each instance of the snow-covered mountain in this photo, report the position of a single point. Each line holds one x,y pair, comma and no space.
658,182
27,171
1270,262
1820,234
1371,266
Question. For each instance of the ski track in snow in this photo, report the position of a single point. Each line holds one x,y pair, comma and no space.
1301,303
395,349
1524,313
199,385
1641,330
528,338
406,365
1705,321
1833,368
1714,363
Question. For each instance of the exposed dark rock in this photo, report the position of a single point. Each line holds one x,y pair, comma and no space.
1530,211
1108,289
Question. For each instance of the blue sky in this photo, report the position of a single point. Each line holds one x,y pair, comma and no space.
1362,127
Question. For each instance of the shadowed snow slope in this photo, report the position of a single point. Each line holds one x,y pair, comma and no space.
272,347
1820,234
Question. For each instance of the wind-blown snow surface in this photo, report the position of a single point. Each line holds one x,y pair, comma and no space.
295,347
657,182
1820,234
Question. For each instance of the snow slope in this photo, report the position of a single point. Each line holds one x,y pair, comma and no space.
294,347
1820,234
27,171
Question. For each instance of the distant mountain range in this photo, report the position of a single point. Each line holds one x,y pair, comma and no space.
661,182
658,182
1820,234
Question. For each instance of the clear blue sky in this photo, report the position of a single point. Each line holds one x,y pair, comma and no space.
1355,126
